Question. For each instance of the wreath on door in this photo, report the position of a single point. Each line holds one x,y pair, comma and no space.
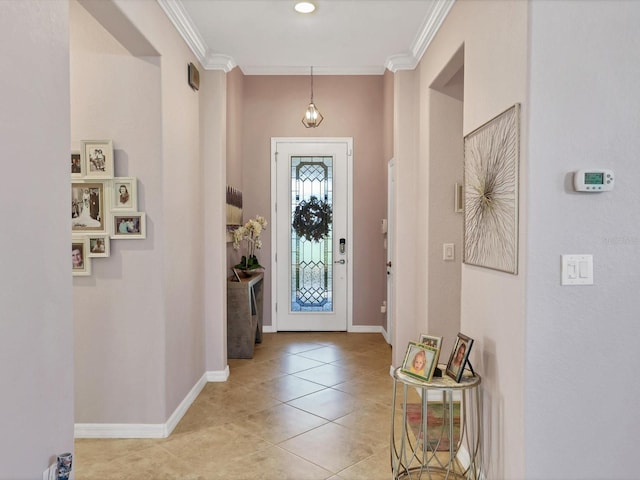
312,219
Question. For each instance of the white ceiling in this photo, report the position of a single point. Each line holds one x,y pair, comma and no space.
342,37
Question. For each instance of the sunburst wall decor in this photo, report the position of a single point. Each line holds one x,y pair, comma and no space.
491,172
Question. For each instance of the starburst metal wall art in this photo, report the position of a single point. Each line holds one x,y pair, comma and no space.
491,172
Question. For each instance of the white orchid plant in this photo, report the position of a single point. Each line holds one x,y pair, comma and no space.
250,233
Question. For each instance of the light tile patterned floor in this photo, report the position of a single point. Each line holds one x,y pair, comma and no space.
308,406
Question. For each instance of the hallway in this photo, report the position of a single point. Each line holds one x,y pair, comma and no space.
308,406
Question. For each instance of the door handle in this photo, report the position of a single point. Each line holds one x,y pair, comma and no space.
388,264
341,262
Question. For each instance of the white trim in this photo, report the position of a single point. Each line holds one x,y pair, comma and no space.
433,22
219,375
365,329
149,430
209,60
186,28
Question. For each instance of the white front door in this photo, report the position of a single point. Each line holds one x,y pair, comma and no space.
311,233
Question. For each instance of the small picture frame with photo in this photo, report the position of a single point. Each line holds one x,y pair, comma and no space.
99,246
431,341
459,357
80,262
77,167
434,342
97,157
420,361
132,225
125,194
89,206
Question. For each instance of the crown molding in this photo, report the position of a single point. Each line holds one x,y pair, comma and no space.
216,61
433,22
185,26
304,70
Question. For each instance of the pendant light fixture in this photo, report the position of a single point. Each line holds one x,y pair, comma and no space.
312,117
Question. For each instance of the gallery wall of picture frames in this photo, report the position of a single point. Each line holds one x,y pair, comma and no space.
103,207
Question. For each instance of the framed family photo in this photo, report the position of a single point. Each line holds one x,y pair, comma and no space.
99,246
77,168
430,340
97,157
420,361
459,356
88,207
129,225
80,263
125,194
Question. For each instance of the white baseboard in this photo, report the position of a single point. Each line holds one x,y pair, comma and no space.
150,430
365,329
386,336
352,328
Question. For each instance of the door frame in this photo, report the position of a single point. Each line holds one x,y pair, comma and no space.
274,239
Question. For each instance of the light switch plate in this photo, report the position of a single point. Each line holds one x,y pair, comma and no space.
448,252
577,269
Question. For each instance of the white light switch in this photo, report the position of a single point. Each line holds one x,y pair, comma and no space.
448,252
577,269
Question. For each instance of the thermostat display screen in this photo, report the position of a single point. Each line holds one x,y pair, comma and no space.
594,178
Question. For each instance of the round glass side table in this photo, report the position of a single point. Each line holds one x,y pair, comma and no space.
436,427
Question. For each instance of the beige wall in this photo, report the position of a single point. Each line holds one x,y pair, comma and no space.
36,327
352,107
494,35
139,317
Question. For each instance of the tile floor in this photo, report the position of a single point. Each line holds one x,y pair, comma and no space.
308,406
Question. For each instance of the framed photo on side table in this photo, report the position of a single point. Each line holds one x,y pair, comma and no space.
420,361
459,357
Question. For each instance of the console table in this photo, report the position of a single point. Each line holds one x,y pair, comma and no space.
442,455
244,315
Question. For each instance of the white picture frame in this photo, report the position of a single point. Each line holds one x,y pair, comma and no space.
97,158
77,165
99,246
124,194
89,206
130,225
80,261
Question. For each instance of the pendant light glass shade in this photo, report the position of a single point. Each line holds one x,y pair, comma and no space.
312,117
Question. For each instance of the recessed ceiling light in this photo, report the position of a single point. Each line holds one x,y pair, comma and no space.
304,7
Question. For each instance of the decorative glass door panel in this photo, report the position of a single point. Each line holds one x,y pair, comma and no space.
311,258
310,222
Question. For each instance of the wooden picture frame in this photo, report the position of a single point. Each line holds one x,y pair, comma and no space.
420,361
124,194
89,207
131,225
97,157
77,165
459,356
80,262
99,246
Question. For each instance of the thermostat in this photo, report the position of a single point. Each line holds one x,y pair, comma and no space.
596,180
